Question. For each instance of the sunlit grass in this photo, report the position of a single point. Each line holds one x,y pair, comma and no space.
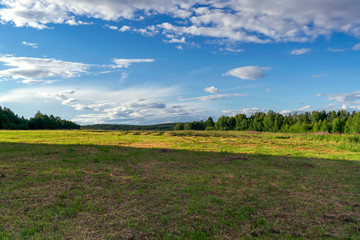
306,145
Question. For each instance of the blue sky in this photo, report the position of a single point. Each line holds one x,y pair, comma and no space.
155,61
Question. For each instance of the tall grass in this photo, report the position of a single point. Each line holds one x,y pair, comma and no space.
343,138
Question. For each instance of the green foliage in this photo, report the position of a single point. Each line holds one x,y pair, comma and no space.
9,120
179,126
316,121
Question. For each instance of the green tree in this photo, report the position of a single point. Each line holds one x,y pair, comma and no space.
242,122
179,126
209,124
337,126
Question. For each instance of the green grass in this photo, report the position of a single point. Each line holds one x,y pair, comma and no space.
177,185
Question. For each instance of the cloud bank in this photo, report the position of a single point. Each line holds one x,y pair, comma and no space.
239,20
137,104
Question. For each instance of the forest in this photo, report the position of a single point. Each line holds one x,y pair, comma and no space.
9,120
316,121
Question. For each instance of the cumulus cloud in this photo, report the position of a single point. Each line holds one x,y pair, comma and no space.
247,111
300,51
212,90
30,69
248,73
175,40
33,45
240,20
112,27
122,29
356,47
125,63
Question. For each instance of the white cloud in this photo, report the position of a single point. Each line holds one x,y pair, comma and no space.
300,51
137,104
30,69
179,47
73,22
37,70
305,108
33,45
356,47
233,50
213,97
125,63
175,40
342,98
148,31
40,82
212,90
300,110
124,76
216,32
249,72
124,28
286,112
239,20
112,27
336,49
247,111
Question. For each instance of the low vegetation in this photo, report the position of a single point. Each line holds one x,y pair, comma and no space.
125,127
178,185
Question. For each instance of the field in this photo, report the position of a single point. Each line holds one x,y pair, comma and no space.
178,185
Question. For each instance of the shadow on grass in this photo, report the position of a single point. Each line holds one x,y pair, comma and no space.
110,192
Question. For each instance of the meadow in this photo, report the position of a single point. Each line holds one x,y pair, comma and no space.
178,185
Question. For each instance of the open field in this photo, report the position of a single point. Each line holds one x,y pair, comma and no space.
178,185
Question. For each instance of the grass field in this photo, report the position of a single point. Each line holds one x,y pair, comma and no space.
178,185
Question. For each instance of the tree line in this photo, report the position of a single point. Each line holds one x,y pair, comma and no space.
316,121
9,120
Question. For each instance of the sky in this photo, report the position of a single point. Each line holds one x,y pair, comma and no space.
158,61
